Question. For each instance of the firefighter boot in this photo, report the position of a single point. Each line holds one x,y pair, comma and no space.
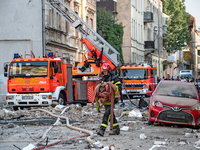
82,69
101,131
116,131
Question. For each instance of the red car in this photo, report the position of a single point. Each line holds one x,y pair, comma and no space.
174,102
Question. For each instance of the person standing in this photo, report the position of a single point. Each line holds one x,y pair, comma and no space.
192,79
114,79
178,79
168,77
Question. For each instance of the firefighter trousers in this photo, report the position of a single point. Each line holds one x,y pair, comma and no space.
106,119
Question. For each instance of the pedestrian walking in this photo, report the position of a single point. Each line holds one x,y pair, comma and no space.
113,79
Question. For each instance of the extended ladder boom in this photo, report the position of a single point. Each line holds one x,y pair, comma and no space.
85,30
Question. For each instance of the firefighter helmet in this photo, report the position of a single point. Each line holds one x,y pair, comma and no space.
93,49
105,67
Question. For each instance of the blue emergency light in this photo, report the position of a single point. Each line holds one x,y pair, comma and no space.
50,54
16,55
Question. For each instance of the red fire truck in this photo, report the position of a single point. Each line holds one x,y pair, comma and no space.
40,81
138,79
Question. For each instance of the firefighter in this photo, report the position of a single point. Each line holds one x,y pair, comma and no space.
93,59
107,76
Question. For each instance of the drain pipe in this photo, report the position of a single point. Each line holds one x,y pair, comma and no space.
43,28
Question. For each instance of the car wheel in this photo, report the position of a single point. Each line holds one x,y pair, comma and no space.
150,122
61,99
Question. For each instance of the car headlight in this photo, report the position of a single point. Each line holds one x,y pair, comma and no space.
9,97
157,103
195,107
44,96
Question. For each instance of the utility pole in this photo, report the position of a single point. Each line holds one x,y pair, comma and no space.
159,39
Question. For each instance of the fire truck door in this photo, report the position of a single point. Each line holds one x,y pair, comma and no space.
54,75
60,77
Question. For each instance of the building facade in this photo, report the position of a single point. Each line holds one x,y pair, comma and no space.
32,25
154,31
143,30
61,37
21,32
133,39
193,46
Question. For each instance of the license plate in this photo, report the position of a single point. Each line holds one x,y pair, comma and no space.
176,116
27,97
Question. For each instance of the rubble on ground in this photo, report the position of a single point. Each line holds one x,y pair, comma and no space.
21,127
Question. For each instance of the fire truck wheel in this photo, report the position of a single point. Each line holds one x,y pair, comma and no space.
61,99
15,108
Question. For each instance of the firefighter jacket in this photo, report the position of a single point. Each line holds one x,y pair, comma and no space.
114,79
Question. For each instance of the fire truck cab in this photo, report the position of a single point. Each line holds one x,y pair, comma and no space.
138,79
37,81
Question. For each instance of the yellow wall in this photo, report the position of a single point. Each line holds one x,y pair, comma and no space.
155,61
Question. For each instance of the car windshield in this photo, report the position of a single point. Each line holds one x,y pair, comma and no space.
135,73
28,69
177,90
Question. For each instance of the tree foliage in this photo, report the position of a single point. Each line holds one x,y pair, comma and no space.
112,32
177,23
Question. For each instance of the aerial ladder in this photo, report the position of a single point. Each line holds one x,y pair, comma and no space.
91,40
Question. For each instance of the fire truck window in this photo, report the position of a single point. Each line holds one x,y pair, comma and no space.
59,67
152,72
52,64
32,68
155,72
51,71
135,73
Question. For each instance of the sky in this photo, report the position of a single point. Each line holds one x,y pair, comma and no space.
193,8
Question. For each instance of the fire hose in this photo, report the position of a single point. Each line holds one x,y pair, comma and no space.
89,138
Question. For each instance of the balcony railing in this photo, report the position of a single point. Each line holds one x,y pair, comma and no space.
148,17
149,45
109,5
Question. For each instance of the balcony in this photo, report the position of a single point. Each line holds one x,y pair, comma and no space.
149,45
170,59
109,5
148,17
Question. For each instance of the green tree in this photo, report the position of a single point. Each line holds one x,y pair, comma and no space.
112,32
177,23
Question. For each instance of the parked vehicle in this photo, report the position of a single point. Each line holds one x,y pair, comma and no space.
138,78
175,102
186,73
